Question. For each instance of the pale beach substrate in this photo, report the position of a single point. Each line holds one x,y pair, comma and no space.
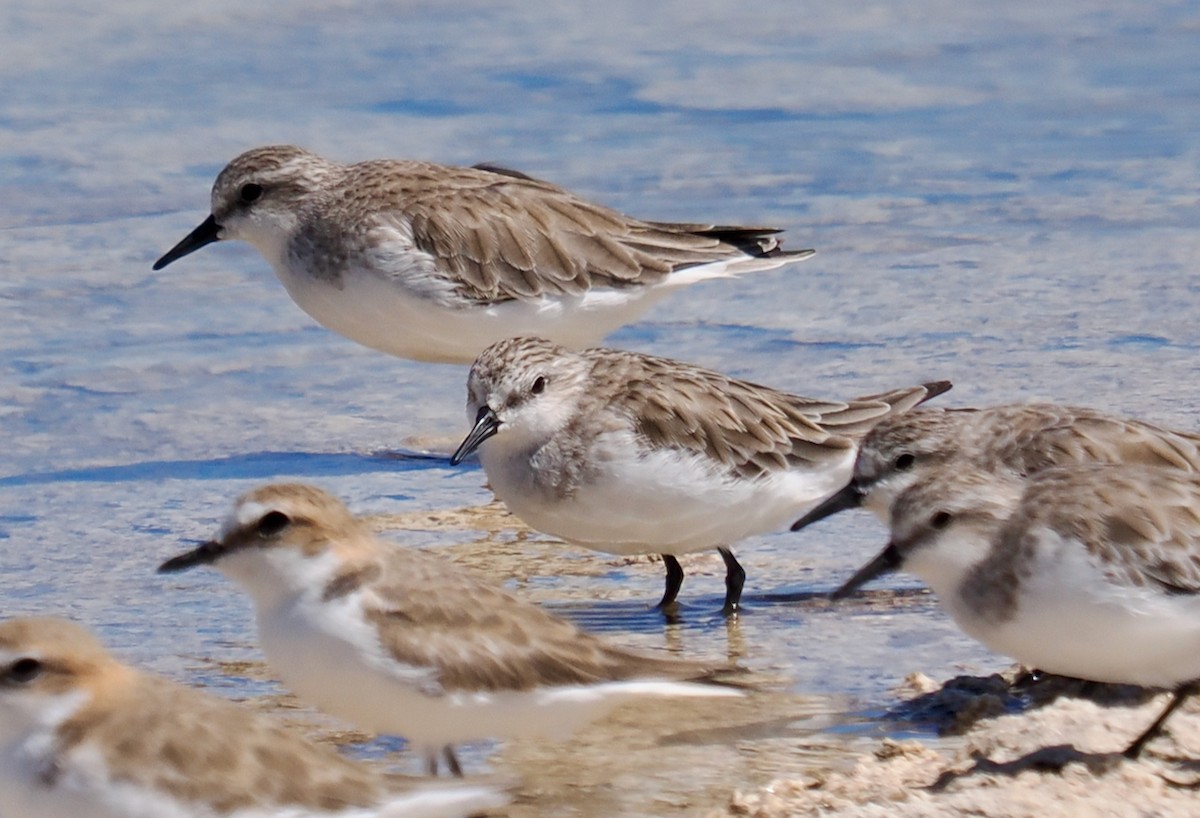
1058,758
778,753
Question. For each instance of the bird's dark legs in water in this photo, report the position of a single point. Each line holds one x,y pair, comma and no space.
431,762
674,581
735,578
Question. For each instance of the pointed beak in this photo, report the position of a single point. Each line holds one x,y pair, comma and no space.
208,232
889,559
205,554
486,425
850,496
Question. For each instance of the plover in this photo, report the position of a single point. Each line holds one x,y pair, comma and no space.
1090,571
632,454
83,735
1018,439
433,262
402,642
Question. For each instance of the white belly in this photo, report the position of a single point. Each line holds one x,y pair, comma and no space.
385,315
1071,621
664,503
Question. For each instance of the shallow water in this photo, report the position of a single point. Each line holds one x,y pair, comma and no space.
1006,197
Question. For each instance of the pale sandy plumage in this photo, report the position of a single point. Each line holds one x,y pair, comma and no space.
629,453
1091,571
435,262
84,735
1019,439
403,642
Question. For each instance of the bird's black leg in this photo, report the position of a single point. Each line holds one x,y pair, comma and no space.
674,581
1181,694
452,761
735,578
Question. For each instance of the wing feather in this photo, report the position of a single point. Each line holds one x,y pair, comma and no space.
500,235
749,429
498,642
1142,523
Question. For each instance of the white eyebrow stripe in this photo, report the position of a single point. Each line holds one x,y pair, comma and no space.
245,513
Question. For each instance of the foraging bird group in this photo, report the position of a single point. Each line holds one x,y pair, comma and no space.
1063,537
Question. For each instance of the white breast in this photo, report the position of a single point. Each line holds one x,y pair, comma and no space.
1072,620
664,501
387,315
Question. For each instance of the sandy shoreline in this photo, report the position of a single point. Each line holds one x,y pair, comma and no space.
1059,757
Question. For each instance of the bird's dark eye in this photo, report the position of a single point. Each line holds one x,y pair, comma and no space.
941,519
272,523
24,671
250,192
539,385
904,462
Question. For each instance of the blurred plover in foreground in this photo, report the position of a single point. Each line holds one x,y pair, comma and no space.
403,642
82,735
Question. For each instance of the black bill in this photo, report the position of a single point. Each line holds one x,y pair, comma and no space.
486,425
208,232
850,496
205,554
889,560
